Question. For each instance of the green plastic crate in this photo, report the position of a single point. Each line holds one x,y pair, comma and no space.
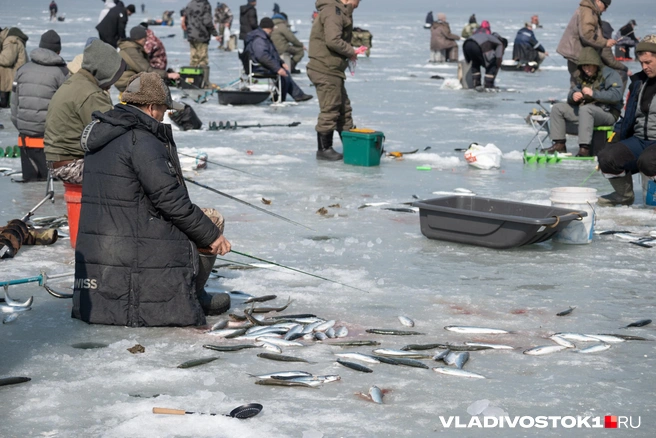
191,71
363,149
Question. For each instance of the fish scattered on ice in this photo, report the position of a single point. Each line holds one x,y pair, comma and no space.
475,330
388,352
355,343
566,312
406,321
608,339
577,337
457,359
457,372
641,323
376,394
282,358
595,348
9,318
289,382
355,366
228,347
13,380
268,346
393,332
544,349
283,375
358,356
491,346
197,362
562,341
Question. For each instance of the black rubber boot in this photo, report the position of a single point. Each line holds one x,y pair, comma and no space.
558,146
325,149
476,79
212,304
4,99
584,150
623,194
489,82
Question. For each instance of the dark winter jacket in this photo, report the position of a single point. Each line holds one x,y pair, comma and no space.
526,46
441,37
136,257
198,19
260,49
635,121
282,36
330,39
491,46
247,20
112,28
137,61
35,84
606,84
583,30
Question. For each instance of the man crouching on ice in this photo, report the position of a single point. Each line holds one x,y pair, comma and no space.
139,232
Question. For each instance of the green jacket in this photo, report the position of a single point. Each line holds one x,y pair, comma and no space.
282,36
136,59
330,38
69,113
12,55
469,30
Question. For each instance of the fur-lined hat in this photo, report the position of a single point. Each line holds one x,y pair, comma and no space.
149,89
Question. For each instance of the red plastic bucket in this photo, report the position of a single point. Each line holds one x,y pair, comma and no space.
73,198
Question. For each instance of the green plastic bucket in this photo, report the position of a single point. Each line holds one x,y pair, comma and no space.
363,147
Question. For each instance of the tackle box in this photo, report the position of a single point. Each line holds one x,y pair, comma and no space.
491,223
191,78
362,147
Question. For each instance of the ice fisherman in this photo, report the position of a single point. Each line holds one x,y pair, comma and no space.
137,261
112,27
635,150
71,107
443,45
53,10
154,48
247,19
608,58
595,100
34,85
200,29
470,27
484,49
527,48
12,57
260,49
626,38
286,42
330,52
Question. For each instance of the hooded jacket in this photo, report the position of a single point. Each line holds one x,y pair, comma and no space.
12,55
247,20
606,84
112,27
260,49
583,30
441,37
330,39
136,257
635,121
526,46
35,84
282,36
137,61
71,107
198,19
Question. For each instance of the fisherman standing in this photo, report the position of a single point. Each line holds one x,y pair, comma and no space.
12,56
247,19
53,10
137,258
223,19
330,52
112,27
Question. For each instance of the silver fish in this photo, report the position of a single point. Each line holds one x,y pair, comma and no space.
608,339
310,327
308,336
219,325
355,366
266,330
324,326
280,342
197,362
562,341
290,382
475,330
256,336
376,394
492,346
9,318
341,332
13,303
457,359
566,312
442,355
406,321
393,332
388,352
223,333
227,347
641,323
320,336
458,372
577,337
544,349
298,328
268,346
12,309
595,348
358,356
282,358
330,332
283,375
408,362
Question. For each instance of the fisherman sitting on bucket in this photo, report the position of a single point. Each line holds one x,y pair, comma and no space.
595,100
527,49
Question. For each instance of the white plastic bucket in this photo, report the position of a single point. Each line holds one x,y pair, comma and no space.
648,191
575,199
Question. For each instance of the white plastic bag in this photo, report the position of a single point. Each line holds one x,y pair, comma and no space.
483,157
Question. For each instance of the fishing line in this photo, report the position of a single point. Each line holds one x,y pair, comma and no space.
591,173
221,165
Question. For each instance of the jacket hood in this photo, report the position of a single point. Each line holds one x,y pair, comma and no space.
245,8
116,122
590,4
14,31
103,62
278,17
320,4
253,35
589,56
46,57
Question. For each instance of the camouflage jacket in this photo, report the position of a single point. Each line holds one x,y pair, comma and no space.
198,18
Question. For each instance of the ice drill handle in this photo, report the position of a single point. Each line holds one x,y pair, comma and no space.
168,411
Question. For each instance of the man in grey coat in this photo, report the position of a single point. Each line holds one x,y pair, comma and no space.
34,85
200,29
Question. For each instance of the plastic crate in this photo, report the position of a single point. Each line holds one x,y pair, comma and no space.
490,222
191,77
363,147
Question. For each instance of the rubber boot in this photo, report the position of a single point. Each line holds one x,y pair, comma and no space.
623,194
584,150
476,80
489,82
325,149
4,99
558,146
212,304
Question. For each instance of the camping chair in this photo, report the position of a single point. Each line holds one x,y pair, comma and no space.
274,80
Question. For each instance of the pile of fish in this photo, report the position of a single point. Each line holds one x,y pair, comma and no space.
12,308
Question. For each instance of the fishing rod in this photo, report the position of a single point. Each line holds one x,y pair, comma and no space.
221,165
296,270
220,127
218,192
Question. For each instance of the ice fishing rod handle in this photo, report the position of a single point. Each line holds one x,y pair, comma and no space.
168,411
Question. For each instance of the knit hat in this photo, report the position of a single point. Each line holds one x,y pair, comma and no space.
472,19
149,89
131,8
138,33
103,62
647,44
606,2
51,41
266,23
251,1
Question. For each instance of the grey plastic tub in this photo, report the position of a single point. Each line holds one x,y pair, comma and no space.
491,223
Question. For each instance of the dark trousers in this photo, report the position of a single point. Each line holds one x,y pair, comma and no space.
286,83
33,164
474,54
631,155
